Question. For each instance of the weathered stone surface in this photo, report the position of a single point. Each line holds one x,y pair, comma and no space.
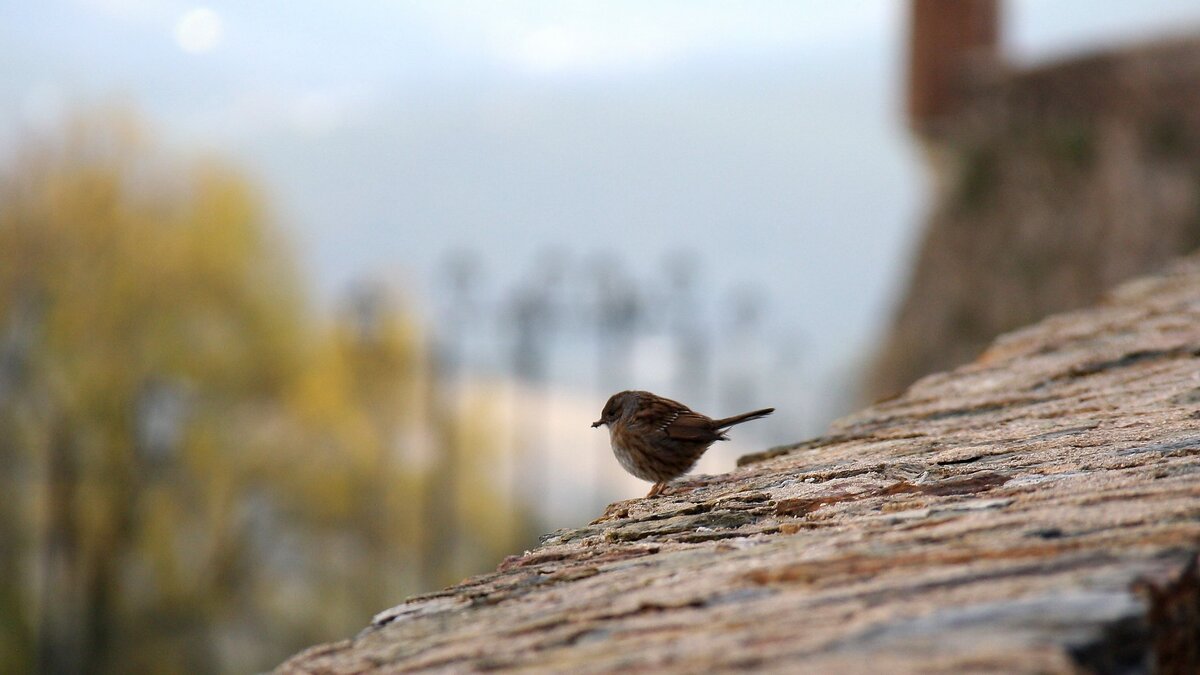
1035,511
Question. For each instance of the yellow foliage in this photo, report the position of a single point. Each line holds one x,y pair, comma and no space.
200,461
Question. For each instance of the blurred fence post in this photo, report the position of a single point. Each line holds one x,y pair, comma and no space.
618,315
691,348
439,513
740,382
443,518
531,317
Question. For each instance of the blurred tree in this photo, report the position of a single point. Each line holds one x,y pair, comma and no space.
196,476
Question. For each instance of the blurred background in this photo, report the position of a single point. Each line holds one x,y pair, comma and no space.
305,309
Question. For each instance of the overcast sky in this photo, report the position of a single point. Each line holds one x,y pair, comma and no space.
763,136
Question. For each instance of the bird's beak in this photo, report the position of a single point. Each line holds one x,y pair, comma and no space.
597,423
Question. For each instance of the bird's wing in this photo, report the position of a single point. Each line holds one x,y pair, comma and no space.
665,418
686,425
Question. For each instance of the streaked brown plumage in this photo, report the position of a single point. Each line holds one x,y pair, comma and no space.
657,439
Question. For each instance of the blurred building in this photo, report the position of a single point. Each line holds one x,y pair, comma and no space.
1051,183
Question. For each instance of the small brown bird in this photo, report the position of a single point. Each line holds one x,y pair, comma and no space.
657,439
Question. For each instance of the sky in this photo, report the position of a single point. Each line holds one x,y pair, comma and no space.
764,138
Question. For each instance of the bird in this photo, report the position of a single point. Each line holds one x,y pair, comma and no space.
657,439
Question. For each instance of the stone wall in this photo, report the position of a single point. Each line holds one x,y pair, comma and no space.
1053,185
1035,511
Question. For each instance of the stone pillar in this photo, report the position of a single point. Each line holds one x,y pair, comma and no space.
950,43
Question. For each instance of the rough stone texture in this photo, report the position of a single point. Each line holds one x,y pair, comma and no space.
1035,511
1054,184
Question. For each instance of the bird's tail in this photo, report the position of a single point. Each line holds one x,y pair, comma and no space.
744,417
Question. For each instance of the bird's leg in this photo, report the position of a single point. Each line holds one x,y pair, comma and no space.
658,487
